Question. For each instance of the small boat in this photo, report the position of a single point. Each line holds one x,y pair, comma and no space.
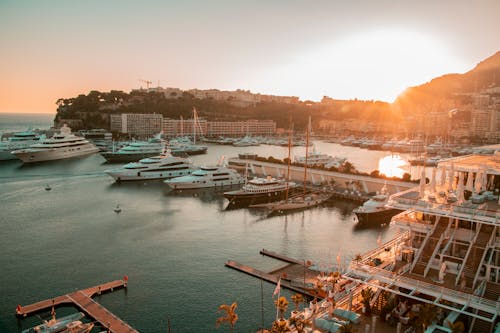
374,212
48,188
55,325
296,203
78,327
117,210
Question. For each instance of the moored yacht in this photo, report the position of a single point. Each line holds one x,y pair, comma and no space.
19,140
163,166
315,158
207,176
60,146
260,190
135,150
55,325
375,212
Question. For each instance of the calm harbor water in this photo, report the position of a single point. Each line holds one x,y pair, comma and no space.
172,246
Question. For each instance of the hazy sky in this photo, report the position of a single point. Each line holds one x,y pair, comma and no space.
367,49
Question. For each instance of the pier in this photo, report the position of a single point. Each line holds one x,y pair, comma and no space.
82,299
346,181
295,275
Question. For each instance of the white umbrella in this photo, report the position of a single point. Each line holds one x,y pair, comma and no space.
460,188
443,177
422,183
442,271
432,184
470,184
451,177
478,184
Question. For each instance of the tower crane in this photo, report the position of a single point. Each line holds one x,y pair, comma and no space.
146,82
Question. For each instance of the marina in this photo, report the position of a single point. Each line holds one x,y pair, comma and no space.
82,299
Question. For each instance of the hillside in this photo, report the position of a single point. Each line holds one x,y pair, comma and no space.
448,90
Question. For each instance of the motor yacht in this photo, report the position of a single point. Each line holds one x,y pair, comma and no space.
62,145
315,158
207,176
19,140
374,211
135,151
163,166
260,190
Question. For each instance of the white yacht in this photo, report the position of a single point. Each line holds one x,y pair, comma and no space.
207,176
19,140
260,190
163,166
318,159
247,141
60,146
135,150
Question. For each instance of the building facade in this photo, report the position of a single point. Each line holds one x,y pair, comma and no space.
141,125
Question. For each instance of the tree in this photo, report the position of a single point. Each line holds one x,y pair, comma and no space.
457,327
300,323
297,299
230,318
282,305
280,326
366,295
426,315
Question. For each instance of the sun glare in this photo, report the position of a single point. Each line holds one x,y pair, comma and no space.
391,166
372,65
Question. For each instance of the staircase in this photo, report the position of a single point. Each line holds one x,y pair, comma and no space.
491,292
475,257
430,245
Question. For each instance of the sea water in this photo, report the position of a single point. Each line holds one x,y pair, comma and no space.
172,246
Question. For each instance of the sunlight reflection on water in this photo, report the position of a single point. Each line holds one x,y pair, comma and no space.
392,166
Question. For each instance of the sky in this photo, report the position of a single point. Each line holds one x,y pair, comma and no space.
365,49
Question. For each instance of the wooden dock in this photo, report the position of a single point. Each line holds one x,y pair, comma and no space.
82,299
295,275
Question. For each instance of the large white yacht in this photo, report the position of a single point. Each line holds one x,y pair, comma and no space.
260,190
135,150
319,159
19,140
207,176
163,166
60,146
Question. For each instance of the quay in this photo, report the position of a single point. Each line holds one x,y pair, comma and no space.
295,275
82,299
345,181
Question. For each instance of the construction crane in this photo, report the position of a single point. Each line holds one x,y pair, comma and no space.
146,82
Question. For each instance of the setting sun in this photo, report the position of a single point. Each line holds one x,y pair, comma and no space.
391,166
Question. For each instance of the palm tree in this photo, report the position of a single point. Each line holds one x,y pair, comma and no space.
426,315
457,327
280,326
300,323
297,299
231,317
367,295
282,305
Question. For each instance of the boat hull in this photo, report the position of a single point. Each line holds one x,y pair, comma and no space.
239,199
215,184
6,156
376,218
125,158
33,155
121,175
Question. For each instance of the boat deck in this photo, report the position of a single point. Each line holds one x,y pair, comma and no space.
82,299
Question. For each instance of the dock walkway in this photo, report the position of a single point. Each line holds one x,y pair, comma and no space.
82,299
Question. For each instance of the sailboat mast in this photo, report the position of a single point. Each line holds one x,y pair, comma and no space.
290,131
194,125
307,153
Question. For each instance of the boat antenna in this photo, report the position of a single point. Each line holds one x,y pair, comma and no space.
307,153
290,131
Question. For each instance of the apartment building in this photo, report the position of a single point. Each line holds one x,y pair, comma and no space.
136,124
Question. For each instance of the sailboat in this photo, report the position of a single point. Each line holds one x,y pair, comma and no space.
183,146
306,200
